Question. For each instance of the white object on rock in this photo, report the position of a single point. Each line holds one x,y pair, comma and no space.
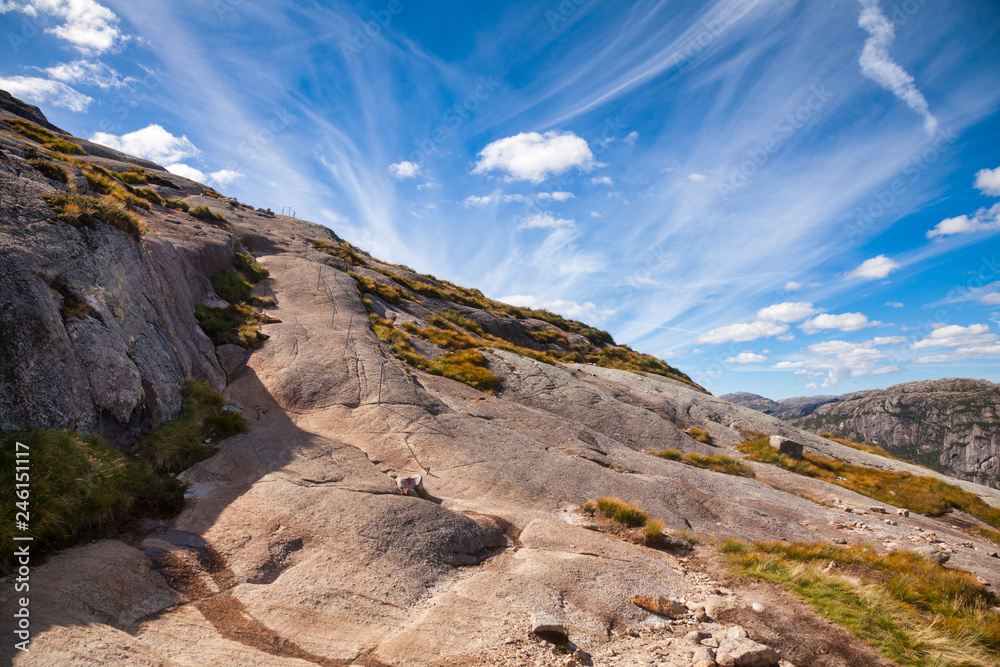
409,483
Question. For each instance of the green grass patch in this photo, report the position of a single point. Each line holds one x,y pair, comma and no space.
985,533
458,319
177,205
231,286
204,213
549,337
136,176
469,367
398,342
177,445
916,493
84,211
912,610
717,462
448,339
80,488
238,323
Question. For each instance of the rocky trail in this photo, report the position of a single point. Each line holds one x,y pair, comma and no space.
295,545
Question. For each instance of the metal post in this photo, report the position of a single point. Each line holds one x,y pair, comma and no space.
381,369
349,332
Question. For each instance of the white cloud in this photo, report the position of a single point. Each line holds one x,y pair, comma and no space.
87,25
740,333
595,214
988,181
224,176
697,178
992,299
894,304
89,72
151,142
792,286
544,221
480,202
877,65
961,353
811,385
187,171
983,220
889,340
955,335
630,138
555,196
41,91
585,312
787,312
746,358
839,359
404,169
530,156
875,268
843,322
602,180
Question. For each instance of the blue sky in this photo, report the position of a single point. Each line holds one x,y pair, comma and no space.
774,196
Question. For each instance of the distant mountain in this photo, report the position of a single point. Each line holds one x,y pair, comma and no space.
786,408
949,425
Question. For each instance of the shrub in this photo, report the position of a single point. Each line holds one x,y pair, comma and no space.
910,609
653,530
468,367
50,170
669,454
204,213
176,204
177,445
81,210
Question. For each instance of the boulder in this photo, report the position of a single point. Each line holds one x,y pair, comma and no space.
932,553
659,604
787,446
548,627
745,653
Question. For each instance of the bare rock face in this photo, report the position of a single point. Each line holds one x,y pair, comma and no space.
950,425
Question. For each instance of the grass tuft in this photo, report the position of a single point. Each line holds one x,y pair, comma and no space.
469,367
177,205
916,493
717,462
204,213
699,434
913,611
50,170
84,211
81,488
177,445
622,512
343,251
